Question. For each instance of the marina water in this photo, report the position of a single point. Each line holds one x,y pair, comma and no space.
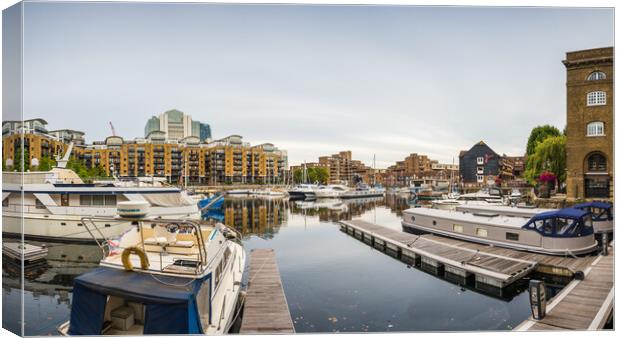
332,281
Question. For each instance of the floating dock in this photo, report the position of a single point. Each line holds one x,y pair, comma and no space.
21,251
489,265
583,304
265,310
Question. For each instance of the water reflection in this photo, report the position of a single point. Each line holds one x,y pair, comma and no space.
333,282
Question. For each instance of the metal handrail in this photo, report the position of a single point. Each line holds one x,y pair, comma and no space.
202,250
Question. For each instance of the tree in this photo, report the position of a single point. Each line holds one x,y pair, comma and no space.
548,156
298,175
538,135
46,164
22,160
318,174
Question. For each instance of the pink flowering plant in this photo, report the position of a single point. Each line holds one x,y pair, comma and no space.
547,177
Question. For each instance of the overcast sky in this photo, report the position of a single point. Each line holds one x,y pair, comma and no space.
313,80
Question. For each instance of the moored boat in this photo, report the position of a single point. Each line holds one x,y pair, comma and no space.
302,192
566,231
602,214
330,191
160,277
363,191
52,203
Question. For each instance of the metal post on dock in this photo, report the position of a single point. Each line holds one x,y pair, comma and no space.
605,243
538,300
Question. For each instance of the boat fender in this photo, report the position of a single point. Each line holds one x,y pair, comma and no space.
144,262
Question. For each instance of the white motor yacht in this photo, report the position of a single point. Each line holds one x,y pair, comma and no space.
160,277
330,191
54,202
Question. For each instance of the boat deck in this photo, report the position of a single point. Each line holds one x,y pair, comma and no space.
583,304
265,309
498,267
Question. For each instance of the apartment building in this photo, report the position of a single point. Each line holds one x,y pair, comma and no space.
184,161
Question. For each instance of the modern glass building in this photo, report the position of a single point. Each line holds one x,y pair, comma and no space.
176,125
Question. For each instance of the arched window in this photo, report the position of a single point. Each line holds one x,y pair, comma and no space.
597,75
597,162
596,128
597,98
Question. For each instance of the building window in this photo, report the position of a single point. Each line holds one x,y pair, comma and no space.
480,178
597,163
480,170
480,160
596,129
597,75
597,98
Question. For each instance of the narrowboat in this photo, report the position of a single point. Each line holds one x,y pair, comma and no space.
566,231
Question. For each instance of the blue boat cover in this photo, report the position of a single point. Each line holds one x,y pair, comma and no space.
594,204
565,213
170,304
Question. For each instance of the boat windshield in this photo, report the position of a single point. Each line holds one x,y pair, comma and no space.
600,211
561,225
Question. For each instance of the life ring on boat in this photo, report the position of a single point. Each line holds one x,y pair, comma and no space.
144,261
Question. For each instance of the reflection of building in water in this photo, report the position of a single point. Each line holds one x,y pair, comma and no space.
397,203
255,216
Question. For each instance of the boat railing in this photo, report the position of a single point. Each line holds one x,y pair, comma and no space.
110,247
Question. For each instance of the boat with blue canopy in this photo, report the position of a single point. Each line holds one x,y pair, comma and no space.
566,231
161,276
602,214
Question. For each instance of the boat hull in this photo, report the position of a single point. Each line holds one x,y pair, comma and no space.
43,229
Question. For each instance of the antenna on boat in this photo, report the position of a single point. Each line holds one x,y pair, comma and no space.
62,162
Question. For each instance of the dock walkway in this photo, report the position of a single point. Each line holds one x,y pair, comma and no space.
583,304
498,267
265,309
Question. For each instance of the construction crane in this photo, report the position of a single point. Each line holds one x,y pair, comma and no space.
112,127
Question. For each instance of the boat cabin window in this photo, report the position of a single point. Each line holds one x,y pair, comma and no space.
38,204
5,202
97,200
457,228
482,232
512,236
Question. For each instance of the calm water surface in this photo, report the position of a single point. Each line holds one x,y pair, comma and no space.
332,281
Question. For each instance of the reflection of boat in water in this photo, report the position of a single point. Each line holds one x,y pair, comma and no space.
160,277
55,201
558,232
364,200
331,204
